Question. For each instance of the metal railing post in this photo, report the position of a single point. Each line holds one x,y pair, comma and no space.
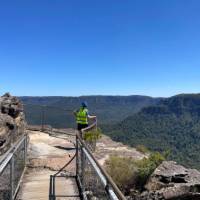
42,118
50,188
77,158
82,170
25,148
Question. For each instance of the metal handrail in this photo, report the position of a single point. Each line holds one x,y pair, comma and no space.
9,159
90,127
4,159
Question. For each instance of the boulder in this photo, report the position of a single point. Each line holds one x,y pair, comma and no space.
171,181
12,121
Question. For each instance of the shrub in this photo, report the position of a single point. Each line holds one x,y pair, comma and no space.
92,135
142,149
123,171
130,174
146,166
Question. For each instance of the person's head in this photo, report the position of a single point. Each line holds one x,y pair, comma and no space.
84,104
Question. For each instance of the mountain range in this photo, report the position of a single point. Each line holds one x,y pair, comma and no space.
171,125
161,124
58,111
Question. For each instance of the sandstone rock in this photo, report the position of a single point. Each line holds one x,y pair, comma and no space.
171,181
11,105
12,121
6,128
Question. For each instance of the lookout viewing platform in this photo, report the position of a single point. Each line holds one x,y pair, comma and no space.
56,165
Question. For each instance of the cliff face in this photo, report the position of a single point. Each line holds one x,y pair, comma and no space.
12,121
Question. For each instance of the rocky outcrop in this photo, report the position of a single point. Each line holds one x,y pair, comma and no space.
171,181
12,121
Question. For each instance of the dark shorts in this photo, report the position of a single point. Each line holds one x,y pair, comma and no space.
81,126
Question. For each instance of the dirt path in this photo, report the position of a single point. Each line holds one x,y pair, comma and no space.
46,155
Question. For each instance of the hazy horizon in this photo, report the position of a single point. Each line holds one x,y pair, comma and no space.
99,95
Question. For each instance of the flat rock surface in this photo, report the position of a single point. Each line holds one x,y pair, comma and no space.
46,155
49,152
106,147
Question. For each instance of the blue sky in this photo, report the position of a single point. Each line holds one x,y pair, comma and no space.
76,47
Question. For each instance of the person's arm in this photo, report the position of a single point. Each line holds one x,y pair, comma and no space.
92,117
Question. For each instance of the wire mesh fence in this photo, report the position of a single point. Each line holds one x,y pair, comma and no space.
5,186
12,166
93,181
